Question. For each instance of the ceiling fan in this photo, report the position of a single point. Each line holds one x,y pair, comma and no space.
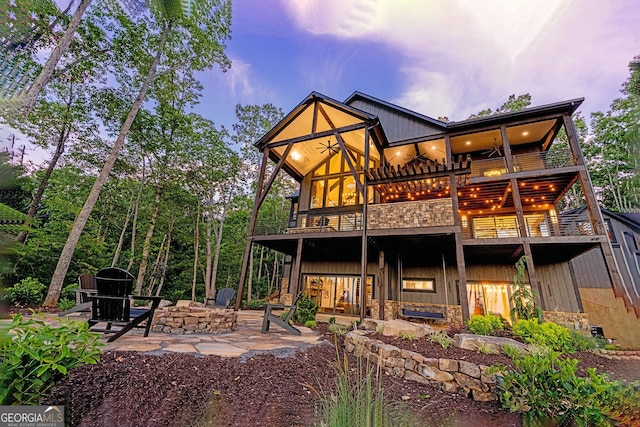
331,147
495,150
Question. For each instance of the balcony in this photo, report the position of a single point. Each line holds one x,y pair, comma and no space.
556,158
541,224
306,222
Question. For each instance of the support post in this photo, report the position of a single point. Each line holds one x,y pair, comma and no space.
294,286
517,203
462,277
381,283
365,202
533,278
252,228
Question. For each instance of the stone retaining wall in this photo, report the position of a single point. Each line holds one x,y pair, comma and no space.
455,376
578,321
194,320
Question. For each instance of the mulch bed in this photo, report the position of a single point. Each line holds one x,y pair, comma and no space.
270,389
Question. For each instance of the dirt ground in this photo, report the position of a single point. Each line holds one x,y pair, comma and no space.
137,389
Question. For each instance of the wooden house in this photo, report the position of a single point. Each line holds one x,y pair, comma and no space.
402,215
590,276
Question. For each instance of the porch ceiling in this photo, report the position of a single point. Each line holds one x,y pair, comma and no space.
313,130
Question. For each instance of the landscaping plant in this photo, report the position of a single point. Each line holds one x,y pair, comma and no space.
552,335
28,291
485,325
306,311
441,338
38,354
522,296
544,386
358,399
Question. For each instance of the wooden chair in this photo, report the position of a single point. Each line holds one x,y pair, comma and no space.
112,304
223,298
87,283
283,323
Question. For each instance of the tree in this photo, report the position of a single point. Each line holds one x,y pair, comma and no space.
512,104
613,152
195,39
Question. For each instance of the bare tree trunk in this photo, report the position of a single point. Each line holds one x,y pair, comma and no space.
209,254
57,281
196,245
116,256
134,225
156,267
146,248
165,263
216,257
46,73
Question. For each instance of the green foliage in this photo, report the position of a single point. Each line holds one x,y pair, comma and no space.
358,399
311,324
65,304
69,292
522,296
337,329
623,407
380,328
28,291
39,354
408,335
306,311
485,325
255,304
544,386
552,335
484,348
441,338
332,320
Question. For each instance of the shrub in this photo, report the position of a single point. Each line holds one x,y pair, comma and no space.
624,406
552,335
441,338
332,320
358,399
380,328
65,304
39,354
310,324
485,325
337,329
28,291
522,296
306,311
69,292
544,386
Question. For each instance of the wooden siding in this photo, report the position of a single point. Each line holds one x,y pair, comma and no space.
397,125
590,271
435,272
558,292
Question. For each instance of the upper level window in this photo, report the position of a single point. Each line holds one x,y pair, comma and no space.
423,285
333,184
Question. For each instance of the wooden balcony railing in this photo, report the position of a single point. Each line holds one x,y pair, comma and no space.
309,223
556,158
536,225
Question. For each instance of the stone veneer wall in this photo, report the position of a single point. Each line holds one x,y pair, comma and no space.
578,321
194,320
427,213
453,313
455,376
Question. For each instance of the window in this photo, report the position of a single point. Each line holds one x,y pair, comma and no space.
419,285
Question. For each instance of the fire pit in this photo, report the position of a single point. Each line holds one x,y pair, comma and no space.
194,318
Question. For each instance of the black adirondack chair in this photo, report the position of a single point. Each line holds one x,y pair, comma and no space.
223,299
112,304
87,283
283,323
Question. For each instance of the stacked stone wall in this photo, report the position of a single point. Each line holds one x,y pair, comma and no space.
427,213
455,376
578,321
194,320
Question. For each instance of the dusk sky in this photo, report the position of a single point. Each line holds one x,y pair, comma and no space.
439,58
